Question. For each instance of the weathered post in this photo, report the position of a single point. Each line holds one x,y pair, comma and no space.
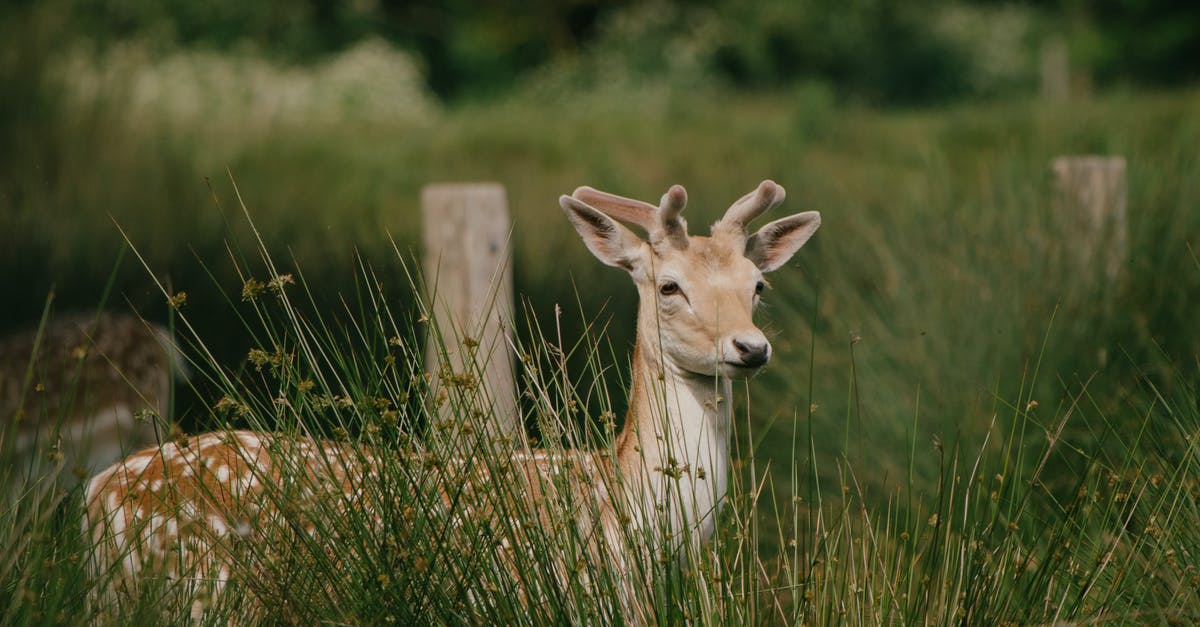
1091,192
468,274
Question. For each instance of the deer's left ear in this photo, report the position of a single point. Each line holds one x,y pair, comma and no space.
776,242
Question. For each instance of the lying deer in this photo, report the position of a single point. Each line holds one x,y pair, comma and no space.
71,391
178,507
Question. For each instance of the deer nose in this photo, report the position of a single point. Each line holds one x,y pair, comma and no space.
752,352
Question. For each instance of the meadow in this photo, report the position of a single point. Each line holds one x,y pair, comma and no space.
960,421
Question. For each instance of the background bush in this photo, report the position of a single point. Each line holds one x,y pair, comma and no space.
883,52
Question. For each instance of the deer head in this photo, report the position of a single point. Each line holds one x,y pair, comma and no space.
697,294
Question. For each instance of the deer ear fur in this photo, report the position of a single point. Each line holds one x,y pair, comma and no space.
775,243
608,240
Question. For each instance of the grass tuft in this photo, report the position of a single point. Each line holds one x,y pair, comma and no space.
1029,524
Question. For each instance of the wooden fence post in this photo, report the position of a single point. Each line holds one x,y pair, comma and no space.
1091,190
468,273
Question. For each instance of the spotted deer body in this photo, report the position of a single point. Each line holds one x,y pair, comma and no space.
171,511
666,474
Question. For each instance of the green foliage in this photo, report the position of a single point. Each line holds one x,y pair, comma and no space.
291,29
869,50
882,51
991,540
466,48
1155,43
877,52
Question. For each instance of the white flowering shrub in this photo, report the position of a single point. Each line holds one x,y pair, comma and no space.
371,82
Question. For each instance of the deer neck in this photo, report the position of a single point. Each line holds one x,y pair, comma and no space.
674,449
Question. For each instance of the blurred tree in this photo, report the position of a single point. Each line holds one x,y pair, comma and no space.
880,50
467,47
472,48
877,50
293,29
1147,41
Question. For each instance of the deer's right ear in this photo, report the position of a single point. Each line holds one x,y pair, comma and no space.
608,240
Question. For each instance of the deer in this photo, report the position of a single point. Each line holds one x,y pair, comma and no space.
81,390
664,477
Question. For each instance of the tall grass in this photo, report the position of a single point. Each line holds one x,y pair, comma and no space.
1027,524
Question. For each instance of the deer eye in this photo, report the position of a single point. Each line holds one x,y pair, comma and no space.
669,288
759,287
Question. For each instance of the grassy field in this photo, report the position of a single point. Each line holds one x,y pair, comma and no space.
952,397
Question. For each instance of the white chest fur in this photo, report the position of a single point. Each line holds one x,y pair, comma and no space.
684,446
